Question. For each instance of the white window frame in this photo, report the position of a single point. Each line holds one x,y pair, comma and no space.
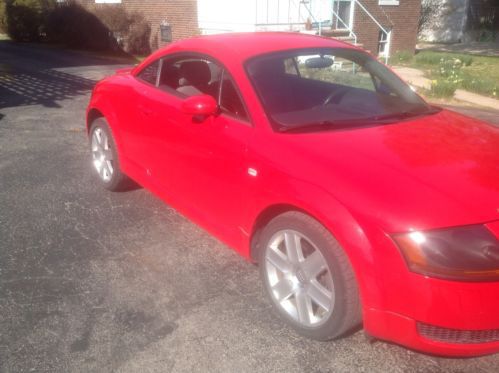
108,1
388,2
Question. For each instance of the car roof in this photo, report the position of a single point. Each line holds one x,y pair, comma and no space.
244,45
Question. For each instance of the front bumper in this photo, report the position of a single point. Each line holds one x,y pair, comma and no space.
405,331
448,318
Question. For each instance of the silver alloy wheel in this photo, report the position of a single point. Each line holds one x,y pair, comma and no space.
299,278
102,154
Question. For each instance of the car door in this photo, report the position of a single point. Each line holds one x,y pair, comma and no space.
199,163
139,117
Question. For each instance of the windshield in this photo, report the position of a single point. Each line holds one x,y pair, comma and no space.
331,88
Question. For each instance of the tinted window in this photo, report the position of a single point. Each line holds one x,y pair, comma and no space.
150,73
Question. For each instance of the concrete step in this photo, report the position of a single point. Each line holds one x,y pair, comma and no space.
335,33
344,38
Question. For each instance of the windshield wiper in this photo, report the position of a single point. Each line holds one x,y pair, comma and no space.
320,126
401,115
355,123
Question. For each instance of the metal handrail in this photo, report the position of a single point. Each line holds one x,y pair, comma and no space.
370,16
348,28
387,33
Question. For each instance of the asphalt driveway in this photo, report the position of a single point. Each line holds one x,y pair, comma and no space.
94,281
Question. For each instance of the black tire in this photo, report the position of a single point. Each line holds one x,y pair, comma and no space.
115,180
344,312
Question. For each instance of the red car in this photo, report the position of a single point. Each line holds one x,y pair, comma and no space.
360,202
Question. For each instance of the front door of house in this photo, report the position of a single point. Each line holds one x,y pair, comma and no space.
342,14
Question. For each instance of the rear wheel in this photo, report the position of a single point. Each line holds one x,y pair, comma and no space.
105,156
308,277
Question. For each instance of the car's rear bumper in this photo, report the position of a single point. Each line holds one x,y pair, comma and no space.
403,330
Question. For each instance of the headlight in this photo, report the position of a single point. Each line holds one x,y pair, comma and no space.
469,253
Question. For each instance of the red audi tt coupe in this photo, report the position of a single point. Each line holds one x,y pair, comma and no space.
361,203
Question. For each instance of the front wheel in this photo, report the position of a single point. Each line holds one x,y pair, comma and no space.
105,156
308,277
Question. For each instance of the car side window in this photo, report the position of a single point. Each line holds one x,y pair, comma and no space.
190,76
230,101
150,73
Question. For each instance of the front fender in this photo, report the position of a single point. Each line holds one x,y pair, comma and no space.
101,106
321,205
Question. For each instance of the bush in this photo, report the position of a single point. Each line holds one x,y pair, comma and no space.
114,17
450,76
116,20
24,19
138,36
442,88
451,70
3,20
72,25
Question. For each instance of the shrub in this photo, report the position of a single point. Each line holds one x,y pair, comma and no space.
116,20
450,76
442,88
72,25
114,17
24,19
138,36
3,20
451,70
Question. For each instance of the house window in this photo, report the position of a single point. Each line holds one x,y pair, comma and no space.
383,43
108,1
388,2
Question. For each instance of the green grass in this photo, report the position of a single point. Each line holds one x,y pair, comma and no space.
402,57
434,58
442,89
478,74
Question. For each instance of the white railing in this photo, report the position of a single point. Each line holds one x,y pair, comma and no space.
293,15
338,18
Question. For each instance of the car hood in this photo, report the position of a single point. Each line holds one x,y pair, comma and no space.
434,171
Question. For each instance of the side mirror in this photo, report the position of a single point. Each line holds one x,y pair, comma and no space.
200,106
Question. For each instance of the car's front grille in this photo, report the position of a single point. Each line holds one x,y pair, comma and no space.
437,333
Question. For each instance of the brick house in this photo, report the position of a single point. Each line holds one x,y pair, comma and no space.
181,15
381,26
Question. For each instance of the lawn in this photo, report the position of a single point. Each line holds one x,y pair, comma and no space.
453,70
